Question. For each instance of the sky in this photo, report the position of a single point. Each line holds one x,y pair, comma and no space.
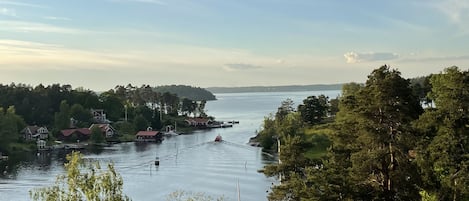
98,44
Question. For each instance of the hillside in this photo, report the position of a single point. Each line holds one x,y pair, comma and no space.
316,87
183,91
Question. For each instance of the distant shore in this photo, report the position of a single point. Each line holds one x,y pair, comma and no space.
315,87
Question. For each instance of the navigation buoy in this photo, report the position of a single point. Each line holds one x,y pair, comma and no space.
157,161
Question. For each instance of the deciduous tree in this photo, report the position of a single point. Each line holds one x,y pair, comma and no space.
91,183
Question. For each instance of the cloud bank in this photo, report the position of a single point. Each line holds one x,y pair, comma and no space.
354,57
240,66
23,26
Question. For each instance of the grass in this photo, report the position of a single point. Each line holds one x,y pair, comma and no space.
318,137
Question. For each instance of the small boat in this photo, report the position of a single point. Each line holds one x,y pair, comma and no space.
218,138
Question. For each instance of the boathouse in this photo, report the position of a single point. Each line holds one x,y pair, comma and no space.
148,136
81,134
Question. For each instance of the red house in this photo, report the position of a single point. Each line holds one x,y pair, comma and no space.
148,136
74,134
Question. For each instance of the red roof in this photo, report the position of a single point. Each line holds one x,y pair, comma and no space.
68,132
147,133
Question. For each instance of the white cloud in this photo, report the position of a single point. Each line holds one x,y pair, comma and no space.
354,57
57,18
22,26
142,1
21,4
26,55
8,12
240,66
457,11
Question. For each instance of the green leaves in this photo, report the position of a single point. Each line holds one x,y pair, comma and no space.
314,109
91,183
443,148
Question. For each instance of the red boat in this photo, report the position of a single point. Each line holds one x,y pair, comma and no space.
218,138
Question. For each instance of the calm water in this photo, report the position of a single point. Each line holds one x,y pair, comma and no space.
188,162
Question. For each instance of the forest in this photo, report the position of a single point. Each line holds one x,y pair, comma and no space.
390,138
128,108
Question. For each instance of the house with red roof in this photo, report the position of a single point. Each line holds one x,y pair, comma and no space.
74,134
149,136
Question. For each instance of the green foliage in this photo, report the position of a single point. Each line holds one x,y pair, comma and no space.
140,123
81,115
267,134
318,146
442,154
334,106
91,183
386,107
286,107
191,93
351,89
97,135
62,118
125,128
420,88
368,158
10,126
113,105
314,109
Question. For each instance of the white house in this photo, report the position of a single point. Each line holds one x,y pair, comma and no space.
35,133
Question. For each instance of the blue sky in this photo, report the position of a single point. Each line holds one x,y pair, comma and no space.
99,44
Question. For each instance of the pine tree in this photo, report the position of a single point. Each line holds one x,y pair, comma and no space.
443,152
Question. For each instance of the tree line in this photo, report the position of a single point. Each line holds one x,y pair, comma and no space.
389,139
130,108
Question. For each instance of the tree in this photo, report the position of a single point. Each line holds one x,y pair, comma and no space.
386,107
81,115
91,183
292,162
10,125
140,123
112,105
188,106
314,109
372,137
443,154
200,108
62,118
267,134
97,135
286,107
